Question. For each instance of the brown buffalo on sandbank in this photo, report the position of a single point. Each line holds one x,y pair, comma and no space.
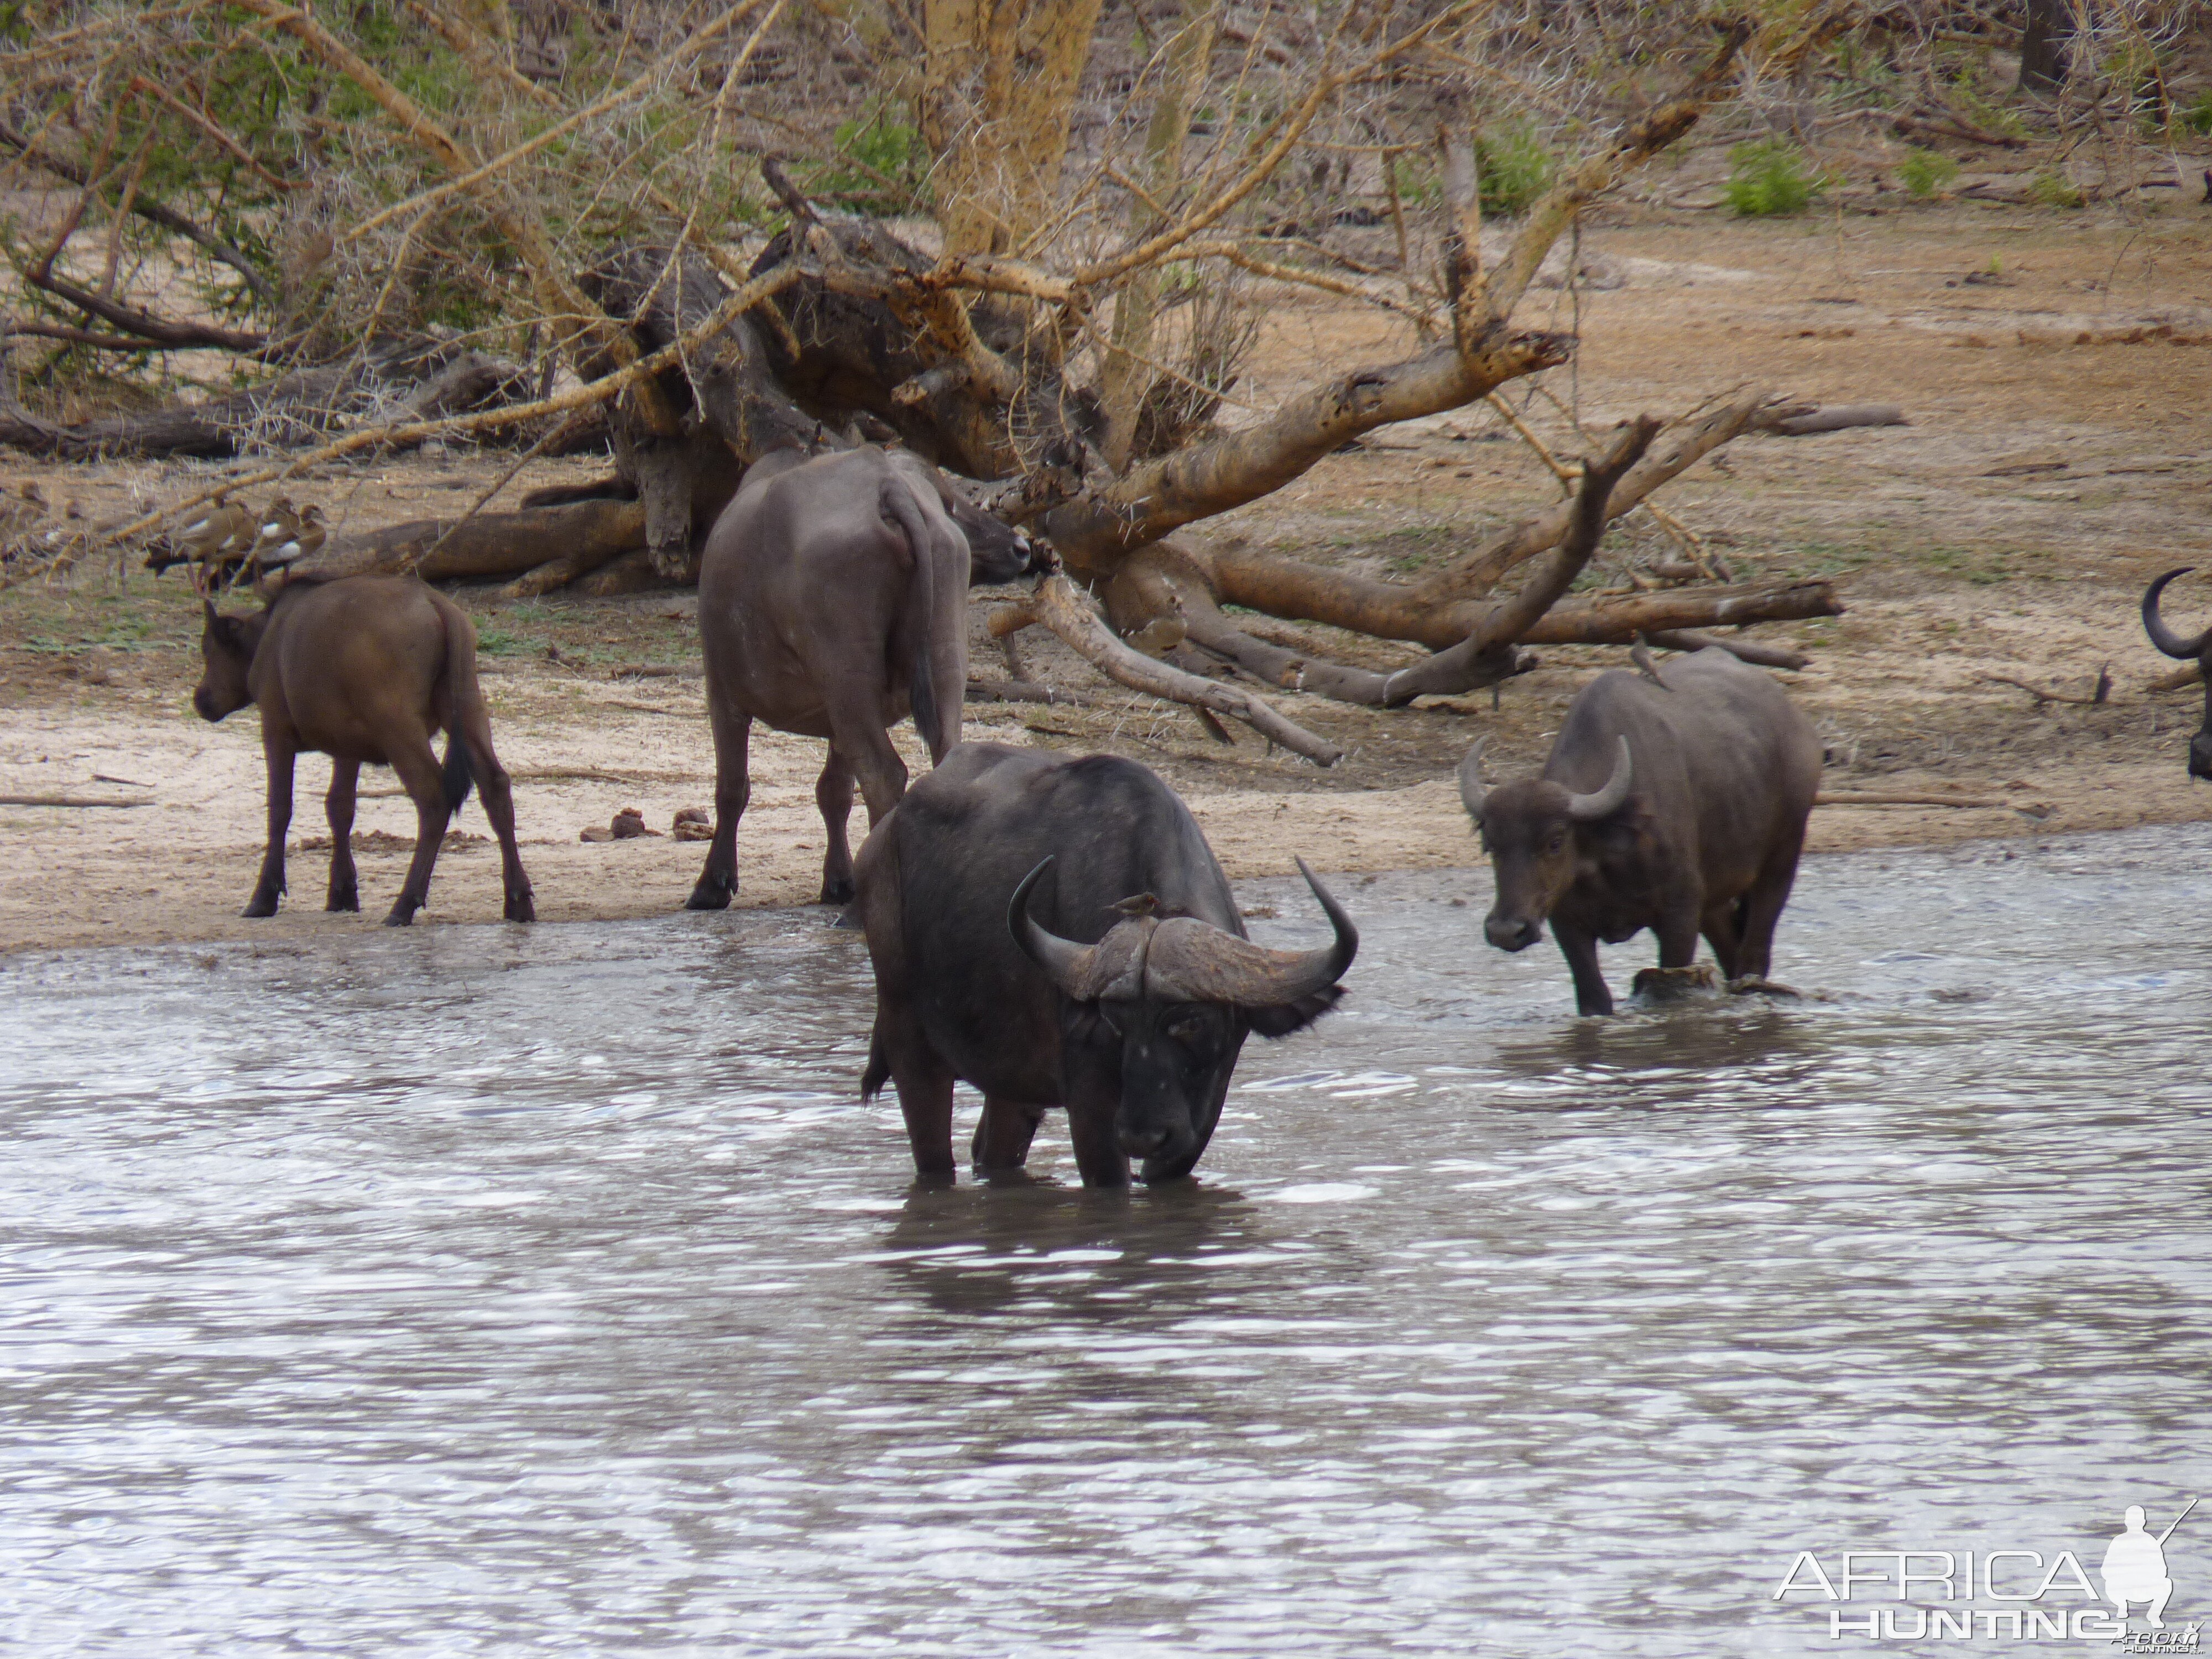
1675,800
364,669
833,600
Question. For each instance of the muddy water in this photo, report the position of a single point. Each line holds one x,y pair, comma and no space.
487,1292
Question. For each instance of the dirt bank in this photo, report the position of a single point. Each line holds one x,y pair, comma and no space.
2059,455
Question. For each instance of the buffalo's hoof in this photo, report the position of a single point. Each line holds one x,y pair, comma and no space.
714,892
261,904
521,908
1673,984
836,890
1757,985
348,900
402,914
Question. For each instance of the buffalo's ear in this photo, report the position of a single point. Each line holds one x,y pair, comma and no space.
1089,1022
1285,1018
228,632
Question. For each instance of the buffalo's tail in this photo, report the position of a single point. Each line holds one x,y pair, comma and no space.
458,777
936,640
879,1068
465,704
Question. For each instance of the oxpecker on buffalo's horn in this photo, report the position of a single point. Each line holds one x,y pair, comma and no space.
1112,968
1587,808
2160,635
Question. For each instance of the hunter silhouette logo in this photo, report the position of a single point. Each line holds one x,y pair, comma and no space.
2010,1595
2135,1566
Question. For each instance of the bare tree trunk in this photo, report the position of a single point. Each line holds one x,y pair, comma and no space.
589,534
1122,376
998,88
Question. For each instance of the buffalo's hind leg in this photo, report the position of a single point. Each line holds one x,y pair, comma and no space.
1762,910
1722,926
833,794
856,729
733,733
277,749
338,806
496,789
424,781
1003,1132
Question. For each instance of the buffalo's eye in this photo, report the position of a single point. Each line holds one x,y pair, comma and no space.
1187,1028
1557,842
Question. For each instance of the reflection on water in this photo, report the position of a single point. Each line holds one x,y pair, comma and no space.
482,1291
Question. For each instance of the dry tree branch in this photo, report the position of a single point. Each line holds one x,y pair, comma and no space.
637,87
477,51
586,329
768,284
1057,607
1235,255
1287,129
153,212
139,83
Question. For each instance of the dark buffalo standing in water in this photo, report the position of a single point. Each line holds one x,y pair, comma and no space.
1676,802
2200,746
1057,932
833,599
365,669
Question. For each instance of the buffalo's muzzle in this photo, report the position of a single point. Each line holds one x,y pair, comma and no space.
1512,933
1153,1146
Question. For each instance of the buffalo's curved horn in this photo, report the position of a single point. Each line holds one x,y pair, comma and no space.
1472,788
1193,961
2160,635
1587,809
1065,963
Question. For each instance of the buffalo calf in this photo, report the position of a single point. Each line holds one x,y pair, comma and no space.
366,668
833,600
1676,801
1057,932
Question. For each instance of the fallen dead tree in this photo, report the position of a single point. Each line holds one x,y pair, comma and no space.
1032,363
1907,798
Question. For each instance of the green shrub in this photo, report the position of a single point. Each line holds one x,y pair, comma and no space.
2054,189
1768,177
1513,168
1924,173
1416,182
889,155
2197,118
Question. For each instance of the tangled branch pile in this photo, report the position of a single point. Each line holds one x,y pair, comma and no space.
1031,239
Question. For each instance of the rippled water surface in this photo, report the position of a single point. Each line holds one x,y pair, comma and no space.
494,1290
